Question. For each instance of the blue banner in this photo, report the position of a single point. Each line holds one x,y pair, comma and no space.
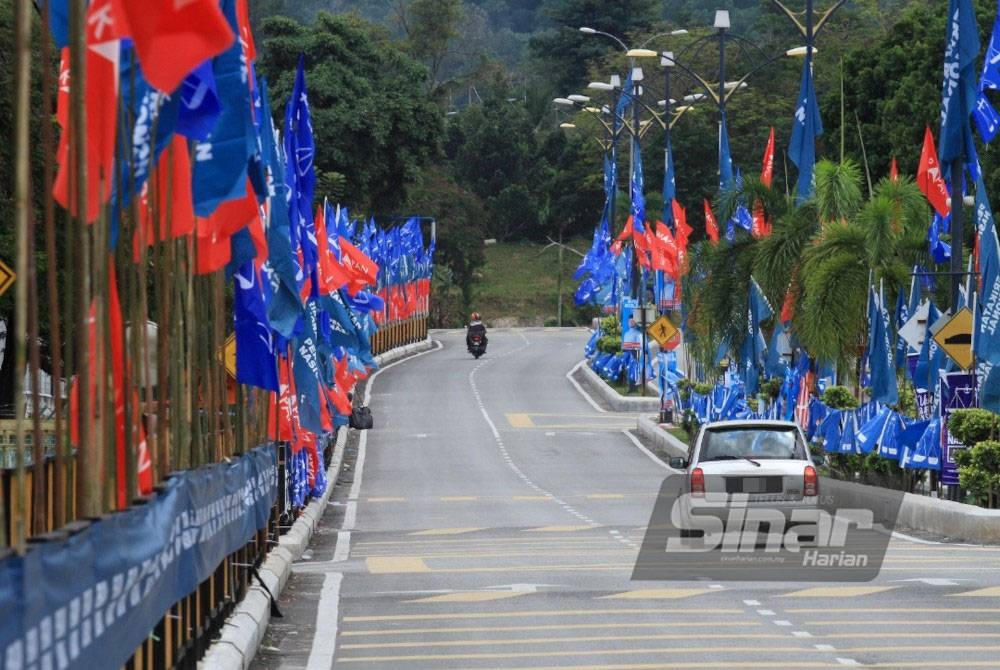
91,599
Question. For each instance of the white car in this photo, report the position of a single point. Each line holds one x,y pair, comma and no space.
746,478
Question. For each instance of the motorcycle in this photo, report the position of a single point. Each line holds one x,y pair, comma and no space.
477,345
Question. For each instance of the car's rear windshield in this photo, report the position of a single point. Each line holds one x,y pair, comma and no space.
755,442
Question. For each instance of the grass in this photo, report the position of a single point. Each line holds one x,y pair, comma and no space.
519,285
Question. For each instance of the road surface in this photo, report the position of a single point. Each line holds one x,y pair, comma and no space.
492,518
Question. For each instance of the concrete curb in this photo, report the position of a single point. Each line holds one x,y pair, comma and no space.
244,630
651,431
942,518
613,399
945,518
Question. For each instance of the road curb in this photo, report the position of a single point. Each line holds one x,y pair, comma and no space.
651,431
244,630
613,399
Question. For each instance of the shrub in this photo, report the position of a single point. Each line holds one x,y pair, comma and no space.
702,388
771,388
972,426
979,471
839,397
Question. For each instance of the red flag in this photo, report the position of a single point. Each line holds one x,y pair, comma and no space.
682,229
362,270
172,38
929,177
170,199
103,34
711,225
213,249
893,170
332,275
668,251
802,404
283,411
767,168
788,307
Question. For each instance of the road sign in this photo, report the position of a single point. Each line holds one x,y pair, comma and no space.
662,330
7,277
955,337
915,328
228,355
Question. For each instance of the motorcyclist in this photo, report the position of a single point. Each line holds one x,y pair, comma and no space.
476,327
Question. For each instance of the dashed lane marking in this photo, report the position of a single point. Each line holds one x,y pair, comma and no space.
385,500
533,498
445,531
837,591
560,529
388,565
470,597
458,498
655,594
422,644
604,496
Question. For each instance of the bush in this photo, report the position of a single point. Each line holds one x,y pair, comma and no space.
839,397
979,470
972,426
702,389
771,388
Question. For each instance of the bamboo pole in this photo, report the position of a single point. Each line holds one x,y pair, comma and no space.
22,205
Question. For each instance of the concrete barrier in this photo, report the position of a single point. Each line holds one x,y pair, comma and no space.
944,518
611,398
243,631
941,518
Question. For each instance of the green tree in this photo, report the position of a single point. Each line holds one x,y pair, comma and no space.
372,119
429,28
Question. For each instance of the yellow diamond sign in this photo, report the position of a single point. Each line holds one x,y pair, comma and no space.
228,355
955,337
662,330
7,277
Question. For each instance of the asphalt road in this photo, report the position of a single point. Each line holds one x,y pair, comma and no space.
492,519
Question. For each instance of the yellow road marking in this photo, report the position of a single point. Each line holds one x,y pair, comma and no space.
560,529
385,500
587,652
520,421
679,666
604,496
469,597
891,610
837,591
531,498
446,531
655,594
459,498
990,592
385,565
560,640
572,626
903,622
539,613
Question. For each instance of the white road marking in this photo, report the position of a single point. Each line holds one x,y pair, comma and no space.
847,661
751,603
327,609
324,643
765,612
648,453
586,396
801,633
824,647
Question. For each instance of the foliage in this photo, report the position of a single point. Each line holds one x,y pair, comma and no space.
371,117
839,397
610,341
972,426
771,388
979,471
459,216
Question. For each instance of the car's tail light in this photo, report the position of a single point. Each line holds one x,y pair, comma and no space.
810,482
698,483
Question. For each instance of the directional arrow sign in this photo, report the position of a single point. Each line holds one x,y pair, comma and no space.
7,277
914,329
955,337
662,330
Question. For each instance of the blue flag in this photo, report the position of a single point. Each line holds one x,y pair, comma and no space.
807,127
59,22
940,250
637,188
986,333
725,157
308,373
958,89
200,105
220,162
255,355
986,117
669,186
300,151
926,453
883,370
